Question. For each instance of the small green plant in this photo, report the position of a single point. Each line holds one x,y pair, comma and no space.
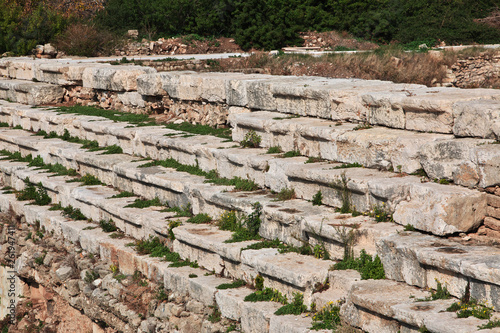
39,260
473,307
73,213
123,194
313,160
423,329
259,282
191,276
320,252
381,214
36,193
161,294
274,150
181,211
231,328
328,318
143,203
120,277
171,225
108,225
243,227
91,276
285,194
348,165
362,127
291,153
232,285
114,149
441,292
368,267
317,199
490,324
409,227
251,140
266,295
87,180
114,269
200,219
295,308
215,316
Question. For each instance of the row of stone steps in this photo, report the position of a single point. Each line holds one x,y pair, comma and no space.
368,306
465,113
465,161
447,274
368,187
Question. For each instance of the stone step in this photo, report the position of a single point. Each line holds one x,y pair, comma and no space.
466,162
389,306
369,187
421,260
31,93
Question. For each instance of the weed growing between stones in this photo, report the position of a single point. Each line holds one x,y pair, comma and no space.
348,237
284,248
86,144
211,176
37,194
251,140
267,295
3,124
87,180
362,127
201,218
409,227
285,194
123,194
473,307
314,160
110,150
73,213
215,316
368,268
161,293
224,133
91,276
317,199
441,292
348,165
108,225
328,318
233,285
381,213
297,306
274,150
171,225
136,119
291,153
490,324
423,329
340,185
243,227
143,203
181,211
155,248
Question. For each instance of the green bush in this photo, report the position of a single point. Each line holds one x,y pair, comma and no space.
368,267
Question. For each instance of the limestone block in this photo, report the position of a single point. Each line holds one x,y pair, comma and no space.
420,259
292,268
452,159
441,209
255,316
22,68
115,78
477,119
230,302
488,160
150,84
238,89
170,82
203,288
292,324
133,98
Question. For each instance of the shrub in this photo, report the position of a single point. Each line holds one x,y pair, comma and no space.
251,140
317,199
86,40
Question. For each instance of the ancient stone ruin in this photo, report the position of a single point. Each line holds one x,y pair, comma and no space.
404,172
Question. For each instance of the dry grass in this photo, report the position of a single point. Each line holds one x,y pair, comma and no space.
427,68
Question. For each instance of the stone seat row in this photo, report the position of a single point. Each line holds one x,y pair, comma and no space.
461,112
